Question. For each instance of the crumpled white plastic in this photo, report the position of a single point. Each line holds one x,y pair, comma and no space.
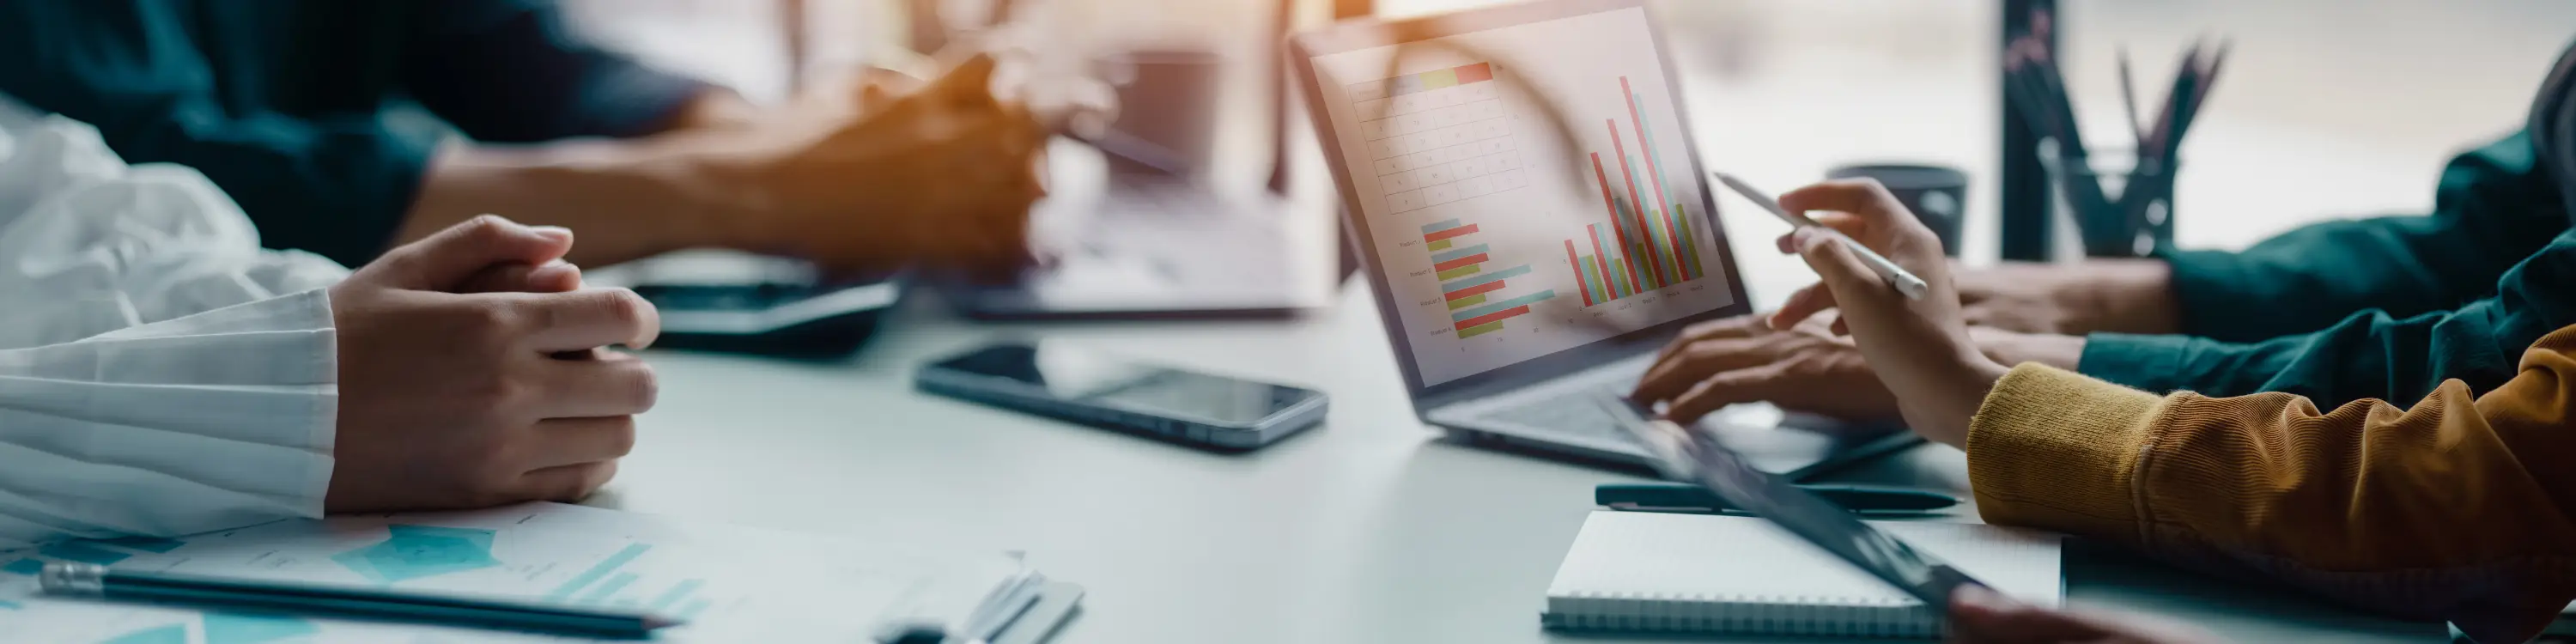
160,374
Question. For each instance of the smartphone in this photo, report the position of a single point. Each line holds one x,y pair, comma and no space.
1070,383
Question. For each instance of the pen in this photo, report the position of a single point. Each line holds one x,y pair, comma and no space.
1906,283
1678,497
92,580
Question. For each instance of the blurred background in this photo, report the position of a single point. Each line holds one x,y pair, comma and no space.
2329,108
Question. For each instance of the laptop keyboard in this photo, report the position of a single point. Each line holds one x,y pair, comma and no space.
1570,410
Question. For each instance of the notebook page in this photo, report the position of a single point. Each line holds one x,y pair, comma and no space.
1715,558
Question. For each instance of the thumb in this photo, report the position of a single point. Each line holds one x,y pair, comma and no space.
1841,270
445,260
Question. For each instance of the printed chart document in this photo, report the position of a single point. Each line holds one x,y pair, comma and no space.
733,584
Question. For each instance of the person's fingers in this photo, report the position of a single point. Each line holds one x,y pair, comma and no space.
1672,377
1733,327
590,318
445,259
567,483
1839,327
1805,303
602,383
552,277
573,441
1834,262
1862,196
1750,384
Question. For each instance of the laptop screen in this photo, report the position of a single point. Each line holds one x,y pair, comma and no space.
1499,238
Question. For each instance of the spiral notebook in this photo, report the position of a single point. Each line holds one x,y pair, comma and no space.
1646,571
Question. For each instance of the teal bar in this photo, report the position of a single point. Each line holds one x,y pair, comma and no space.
1504,305
1454,254
1495,276
8,605
1441,225
604,591
23,566
675,594
605,566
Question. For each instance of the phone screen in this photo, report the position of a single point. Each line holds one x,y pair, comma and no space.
1076,375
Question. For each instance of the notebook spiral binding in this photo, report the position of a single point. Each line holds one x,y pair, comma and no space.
1765,614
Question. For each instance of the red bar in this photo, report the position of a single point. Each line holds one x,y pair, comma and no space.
1462,261
1494,316
1637,207
1655,172
1601,264
1487,287
1580,281
1618,223
1475,73
1453,232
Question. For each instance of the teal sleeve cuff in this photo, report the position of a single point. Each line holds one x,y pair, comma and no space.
2153,363
2204,283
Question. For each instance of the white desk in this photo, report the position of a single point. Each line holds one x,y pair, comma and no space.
1362,530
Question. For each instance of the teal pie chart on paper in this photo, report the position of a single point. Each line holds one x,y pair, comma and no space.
414,551
227,628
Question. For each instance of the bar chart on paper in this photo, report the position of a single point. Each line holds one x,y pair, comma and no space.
1474,293
1640,248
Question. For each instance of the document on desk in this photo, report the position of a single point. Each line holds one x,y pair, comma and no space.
732,584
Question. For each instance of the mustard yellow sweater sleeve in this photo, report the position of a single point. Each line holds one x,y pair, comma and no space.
2461,509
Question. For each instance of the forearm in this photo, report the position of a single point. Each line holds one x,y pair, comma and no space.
626,199
212,421
2431,512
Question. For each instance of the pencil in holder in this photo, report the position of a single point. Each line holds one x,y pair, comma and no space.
2119,205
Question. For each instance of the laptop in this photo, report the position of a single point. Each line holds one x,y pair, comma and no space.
1517,278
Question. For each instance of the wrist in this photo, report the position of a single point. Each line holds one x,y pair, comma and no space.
2010,348
2128,296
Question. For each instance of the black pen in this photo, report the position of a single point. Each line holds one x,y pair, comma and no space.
92,580
1678,497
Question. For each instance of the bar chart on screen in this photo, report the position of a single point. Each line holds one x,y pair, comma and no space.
1473,293
1644,246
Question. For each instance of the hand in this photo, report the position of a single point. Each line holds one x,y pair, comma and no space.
1805,368
454,400
1920,348
942,176
2116,295
1979,616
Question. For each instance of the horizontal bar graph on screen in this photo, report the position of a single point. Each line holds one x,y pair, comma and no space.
1469,290
1645,245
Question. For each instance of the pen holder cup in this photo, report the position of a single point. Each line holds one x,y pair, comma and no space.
2118,206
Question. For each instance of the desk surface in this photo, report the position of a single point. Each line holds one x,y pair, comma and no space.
1367,529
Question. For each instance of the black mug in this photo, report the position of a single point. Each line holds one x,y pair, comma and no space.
1937,195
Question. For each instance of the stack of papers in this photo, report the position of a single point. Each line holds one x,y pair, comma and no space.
732,584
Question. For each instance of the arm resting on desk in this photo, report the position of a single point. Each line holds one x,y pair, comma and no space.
2494,206
2367,355
2457,509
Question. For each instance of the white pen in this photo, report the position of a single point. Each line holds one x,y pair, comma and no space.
1906,283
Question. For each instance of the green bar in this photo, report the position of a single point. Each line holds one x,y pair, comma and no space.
1454,273
1439,79
1467,301
1439,245
1481,329
1591,285
1619,277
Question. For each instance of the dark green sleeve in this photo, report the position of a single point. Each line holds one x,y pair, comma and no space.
2367,355
513,71
2495,206
337,188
